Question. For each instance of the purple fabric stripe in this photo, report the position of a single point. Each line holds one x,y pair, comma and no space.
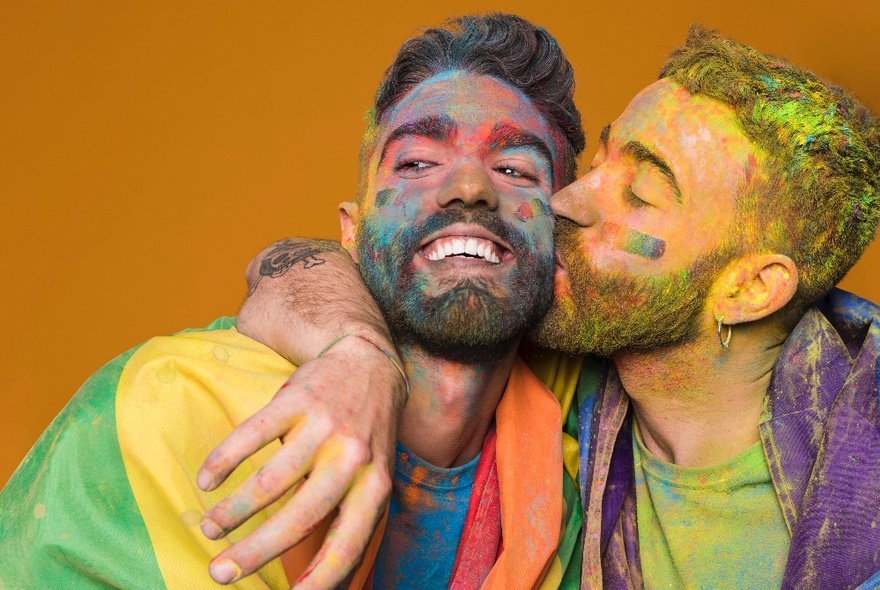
811,369
837,541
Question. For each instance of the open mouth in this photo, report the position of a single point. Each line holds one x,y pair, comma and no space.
466,242
464,247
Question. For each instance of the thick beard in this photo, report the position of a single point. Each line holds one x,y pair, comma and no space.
611,313
468,322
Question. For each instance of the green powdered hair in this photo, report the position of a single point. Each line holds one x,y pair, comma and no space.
818,203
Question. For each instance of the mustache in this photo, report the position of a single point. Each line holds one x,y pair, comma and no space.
566,236
565,229
442,219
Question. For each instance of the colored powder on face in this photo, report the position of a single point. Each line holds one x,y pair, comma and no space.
384,196
533,208
635,242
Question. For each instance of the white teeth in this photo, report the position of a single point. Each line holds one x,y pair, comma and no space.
461,246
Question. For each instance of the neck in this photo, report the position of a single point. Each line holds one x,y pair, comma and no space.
697,404
451,404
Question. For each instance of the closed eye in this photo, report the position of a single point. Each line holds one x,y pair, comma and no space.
633,199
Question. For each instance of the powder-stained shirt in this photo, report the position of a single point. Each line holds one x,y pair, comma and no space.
718,527
425,521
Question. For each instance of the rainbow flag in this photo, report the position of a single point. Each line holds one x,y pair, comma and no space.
107,497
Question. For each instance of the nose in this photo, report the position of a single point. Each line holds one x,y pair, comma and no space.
576,202
469,186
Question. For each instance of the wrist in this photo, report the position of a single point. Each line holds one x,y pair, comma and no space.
377,342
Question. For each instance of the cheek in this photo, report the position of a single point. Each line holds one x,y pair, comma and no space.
533,208
385,196
382,229
632,241
540,236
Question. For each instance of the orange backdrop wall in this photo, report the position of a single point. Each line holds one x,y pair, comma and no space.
149,149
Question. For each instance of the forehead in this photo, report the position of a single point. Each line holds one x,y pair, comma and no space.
699,137
474,103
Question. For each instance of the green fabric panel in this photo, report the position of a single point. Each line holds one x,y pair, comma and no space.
569,550
570,544
68,518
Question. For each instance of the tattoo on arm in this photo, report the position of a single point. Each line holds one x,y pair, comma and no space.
287,254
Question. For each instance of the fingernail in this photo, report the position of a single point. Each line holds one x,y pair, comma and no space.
204,481
224,571
210,529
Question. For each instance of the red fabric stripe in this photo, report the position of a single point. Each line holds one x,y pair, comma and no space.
481,539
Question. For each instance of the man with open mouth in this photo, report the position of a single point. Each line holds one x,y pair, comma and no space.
452,234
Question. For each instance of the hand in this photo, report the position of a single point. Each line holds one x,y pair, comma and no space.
337,420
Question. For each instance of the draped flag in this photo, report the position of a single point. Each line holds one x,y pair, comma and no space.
107,497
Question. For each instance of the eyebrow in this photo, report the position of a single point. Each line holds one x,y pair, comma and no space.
641,153
506,136
435,127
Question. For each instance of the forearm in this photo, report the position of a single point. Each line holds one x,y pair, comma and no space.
303,294
336,416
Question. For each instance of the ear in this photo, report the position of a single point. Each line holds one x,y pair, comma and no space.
348,216
753,287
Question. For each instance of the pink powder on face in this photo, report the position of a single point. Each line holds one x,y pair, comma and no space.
533,208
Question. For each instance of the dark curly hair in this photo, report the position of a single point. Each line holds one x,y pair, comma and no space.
821,203
503,46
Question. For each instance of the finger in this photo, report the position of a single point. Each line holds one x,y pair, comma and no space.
292,523
350,533
278,475
270,423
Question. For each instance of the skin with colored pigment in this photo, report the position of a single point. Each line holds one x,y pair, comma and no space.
440,155
384,196
533,208
660,172
635,242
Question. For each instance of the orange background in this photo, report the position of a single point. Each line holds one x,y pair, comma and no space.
149,149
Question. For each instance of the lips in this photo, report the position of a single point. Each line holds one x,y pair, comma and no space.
465,247
560,263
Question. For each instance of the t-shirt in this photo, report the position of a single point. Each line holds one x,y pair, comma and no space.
425,521
709,527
